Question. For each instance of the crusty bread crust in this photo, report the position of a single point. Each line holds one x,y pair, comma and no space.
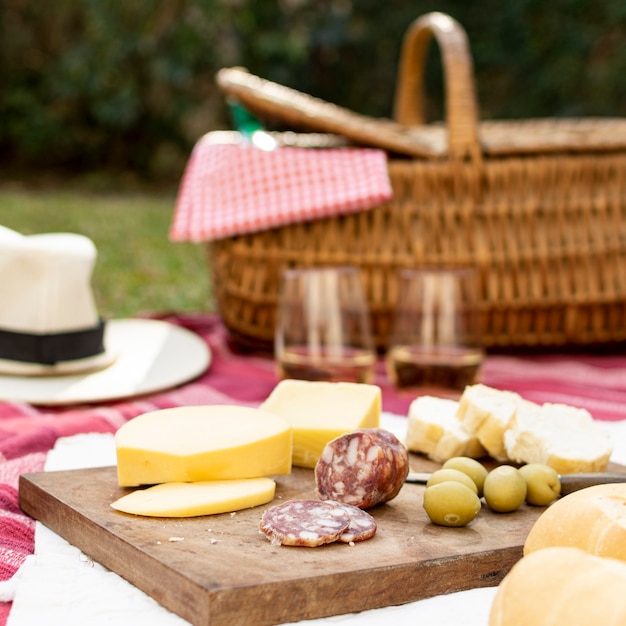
592,519
561,586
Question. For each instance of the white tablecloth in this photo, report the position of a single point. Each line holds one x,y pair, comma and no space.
60,586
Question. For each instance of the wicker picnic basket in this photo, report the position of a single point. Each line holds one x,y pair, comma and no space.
538,206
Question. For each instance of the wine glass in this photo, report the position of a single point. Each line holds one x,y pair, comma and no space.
323,326
435,335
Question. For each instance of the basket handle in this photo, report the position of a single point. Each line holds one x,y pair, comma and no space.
461,105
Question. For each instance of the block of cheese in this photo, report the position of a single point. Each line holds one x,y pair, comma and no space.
196,443
487,412
561,436
199,498
434,430
319,411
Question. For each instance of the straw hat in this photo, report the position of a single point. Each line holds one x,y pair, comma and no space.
51,331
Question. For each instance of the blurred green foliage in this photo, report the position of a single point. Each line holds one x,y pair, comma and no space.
138,269
91,85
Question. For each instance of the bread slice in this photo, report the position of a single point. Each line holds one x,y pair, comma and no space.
561,436
487,412
434,430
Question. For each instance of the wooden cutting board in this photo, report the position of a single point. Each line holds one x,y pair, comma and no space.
220,570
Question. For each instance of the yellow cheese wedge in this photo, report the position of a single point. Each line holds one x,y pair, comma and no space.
201,498
320,411
197,443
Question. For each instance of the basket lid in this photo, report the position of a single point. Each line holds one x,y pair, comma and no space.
287,105
549,135
496,137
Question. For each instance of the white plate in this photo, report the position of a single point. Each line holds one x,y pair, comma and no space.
153,355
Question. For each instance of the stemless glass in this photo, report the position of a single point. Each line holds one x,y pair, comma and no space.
435,337
323,326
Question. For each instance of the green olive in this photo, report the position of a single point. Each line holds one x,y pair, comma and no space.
443,475
504,489
451,503
473,468
543,484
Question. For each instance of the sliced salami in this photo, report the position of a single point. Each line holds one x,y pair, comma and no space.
362,524
308,523
364,468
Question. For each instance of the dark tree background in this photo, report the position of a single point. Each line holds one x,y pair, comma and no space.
129,86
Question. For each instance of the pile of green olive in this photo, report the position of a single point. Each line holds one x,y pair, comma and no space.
453,493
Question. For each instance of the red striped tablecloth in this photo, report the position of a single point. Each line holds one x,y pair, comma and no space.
27,433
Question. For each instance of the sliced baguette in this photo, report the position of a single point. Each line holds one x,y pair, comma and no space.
561,436
487,412
434,430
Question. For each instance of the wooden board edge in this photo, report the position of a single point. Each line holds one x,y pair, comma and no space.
408,584
83,533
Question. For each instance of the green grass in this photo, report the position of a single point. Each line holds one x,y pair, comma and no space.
138,269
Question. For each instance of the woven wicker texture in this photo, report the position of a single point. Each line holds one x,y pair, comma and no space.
538,206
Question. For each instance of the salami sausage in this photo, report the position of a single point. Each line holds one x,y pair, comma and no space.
364,468
304,523
362,524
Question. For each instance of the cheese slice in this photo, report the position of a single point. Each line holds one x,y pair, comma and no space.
201,498
319,411
197,443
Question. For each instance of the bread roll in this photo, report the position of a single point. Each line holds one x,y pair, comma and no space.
564,437
592,519
487,412
561,587
434,430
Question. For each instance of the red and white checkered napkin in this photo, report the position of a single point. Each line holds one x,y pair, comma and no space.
232,189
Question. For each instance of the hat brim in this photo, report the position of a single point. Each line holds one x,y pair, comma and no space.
61,368
151,356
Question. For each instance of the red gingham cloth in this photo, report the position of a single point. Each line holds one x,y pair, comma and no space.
27,433
232,189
